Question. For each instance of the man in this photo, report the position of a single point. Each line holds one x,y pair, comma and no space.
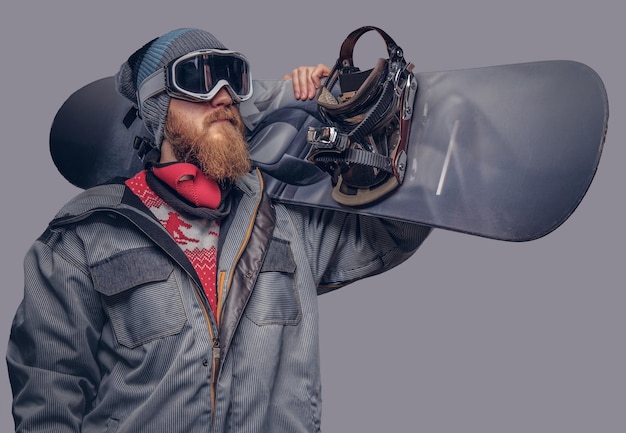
183,299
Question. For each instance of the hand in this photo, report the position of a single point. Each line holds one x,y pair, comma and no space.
306,80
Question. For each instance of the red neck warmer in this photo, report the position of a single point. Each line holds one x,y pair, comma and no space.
190,183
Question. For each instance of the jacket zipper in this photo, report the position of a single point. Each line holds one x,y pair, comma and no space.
214,375
216,349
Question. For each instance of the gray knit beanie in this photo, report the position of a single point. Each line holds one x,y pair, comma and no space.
152,56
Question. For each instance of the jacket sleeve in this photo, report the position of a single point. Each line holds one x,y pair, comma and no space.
270,96
345,247
53,341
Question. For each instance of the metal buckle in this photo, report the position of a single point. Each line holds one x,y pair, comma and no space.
410,90
326,138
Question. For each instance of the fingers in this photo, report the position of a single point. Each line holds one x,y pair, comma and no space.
303,85
319,72
306,80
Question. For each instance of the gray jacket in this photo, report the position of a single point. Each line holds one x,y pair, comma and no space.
113,334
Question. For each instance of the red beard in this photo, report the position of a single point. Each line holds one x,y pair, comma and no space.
218,148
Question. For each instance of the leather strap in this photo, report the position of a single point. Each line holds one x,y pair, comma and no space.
347,48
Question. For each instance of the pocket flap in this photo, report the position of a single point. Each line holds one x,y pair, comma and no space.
129,269
279,257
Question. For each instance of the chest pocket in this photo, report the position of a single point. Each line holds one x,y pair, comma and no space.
275,299
140,295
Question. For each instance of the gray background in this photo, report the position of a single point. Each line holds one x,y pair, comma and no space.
470,335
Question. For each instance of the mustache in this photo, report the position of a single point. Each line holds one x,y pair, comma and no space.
223,113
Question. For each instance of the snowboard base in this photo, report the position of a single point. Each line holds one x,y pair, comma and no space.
503,152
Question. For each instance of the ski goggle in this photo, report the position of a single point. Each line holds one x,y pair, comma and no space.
199,76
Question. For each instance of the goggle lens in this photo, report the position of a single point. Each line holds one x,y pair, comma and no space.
202,75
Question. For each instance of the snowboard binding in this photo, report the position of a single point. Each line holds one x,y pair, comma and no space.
363,145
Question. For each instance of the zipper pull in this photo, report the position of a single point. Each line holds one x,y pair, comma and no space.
216,361
214,373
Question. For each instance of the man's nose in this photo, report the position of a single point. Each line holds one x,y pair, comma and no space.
222,98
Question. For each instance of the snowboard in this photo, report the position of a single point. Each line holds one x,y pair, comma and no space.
503,152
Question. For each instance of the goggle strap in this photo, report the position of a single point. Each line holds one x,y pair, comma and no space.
151,86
